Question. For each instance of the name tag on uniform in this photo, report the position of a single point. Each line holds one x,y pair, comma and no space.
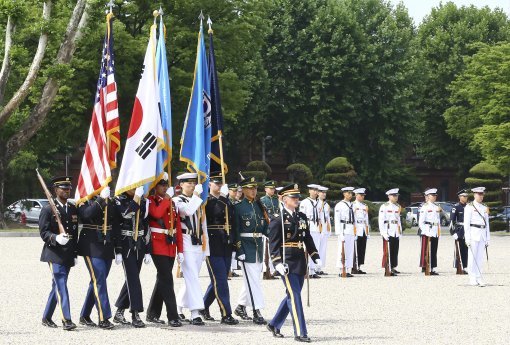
74,218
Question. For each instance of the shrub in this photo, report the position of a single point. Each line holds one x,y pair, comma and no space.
339,173
488,176
300,173
485,170
339,164
259,166
259,175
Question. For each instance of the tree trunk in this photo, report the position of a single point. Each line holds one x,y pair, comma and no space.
6,65
3,225
24,89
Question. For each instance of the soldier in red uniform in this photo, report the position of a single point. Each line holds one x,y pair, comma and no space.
166,233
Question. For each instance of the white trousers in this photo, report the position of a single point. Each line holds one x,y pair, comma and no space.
475,261
233,263
253,274
271,266
349,252
316,236
323,248
190,294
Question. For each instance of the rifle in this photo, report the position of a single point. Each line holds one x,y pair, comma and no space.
427,256
387,264
344,272
460,267
53,207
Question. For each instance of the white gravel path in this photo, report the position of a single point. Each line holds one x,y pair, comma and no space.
370,309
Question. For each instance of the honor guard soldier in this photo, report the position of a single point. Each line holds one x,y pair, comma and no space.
477,235
232,197
250,224
219,213
310,207
130,222
362,225
324,225
390,227
166,245
289,235
195,243
457,229
430,226
60,250
344,226
96,245
271,203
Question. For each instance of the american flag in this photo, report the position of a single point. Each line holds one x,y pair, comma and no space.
103,141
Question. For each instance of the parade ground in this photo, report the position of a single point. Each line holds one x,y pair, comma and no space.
366,309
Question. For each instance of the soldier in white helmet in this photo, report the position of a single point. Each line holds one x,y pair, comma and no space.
344,227
430,226
390,227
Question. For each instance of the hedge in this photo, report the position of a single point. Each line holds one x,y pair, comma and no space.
338,164
349,177
300,173
259,175
259,166
485,169
489,183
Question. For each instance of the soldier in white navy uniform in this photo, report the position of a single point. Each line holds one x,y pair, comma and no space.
477,235
344,227
390,227
195,243
324,226
362,225
310,207
430,226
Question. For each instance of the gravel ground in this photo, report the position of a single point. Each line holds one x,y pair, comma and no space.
369,309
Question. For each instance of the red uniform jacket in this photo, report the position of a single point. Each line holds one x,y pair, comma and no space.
159,208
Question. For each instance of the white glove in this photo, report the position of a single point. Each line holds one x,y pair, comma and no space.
386,237
318,263
180,258
62,239
199,189
224,190
241,257
147,259
281,269
455,236
105,193
139,192
76,261
341,238
368,237
486,243
170,192
118,259
468,244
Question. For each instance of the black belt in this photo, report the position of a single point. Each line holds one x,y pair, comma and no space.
218,227
346,222
478,226
429,223
390,221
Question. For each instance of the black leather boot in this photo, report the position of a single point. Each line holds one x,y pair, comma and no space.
119,317
241,312
136,321
205,314
257,318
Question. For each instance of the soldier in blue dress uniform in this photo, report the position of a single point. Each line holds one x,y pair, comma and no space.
96,245
59,251
289,257
457,226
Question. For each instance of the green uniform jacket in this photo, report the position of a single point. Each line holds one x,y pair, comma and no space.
249,219
271,204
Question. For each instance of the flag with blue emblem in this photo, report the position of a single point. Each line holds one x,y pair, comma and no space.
196,134
217,159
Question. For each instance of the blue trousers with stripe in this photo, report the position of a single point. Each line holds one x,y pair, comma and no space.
98,291
59,293
292,304
218,267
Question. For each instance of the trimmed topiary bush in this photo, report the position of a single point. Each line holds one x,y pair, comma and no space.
339,173
300,174
259,175
488,176
259,166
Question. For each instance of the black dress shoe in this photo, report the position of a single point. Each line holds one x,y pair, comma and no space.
315,276
87,321
257,318
322,273
304,339
68,325
119,317
205,314
229,320
136,321
105,324
433,273
395,271
175,323
393,274
423,269
182,317
348,275
197,321
241,312
154,319
361,272
234,274
275,331
49,323
464,272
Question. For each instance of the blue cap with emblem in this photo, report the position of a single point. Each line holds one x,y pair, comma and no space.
63,182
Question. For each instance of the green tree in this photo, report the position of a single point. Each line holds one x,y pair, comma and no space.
489,176
445,38
479,115
339,173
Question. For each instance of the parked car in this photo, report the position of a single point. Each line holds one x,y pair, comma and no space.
503,214
31,208
412,215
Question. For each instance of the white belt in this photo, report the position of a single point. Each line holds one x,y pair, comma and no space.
360,221
251,234
131,233
159,230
